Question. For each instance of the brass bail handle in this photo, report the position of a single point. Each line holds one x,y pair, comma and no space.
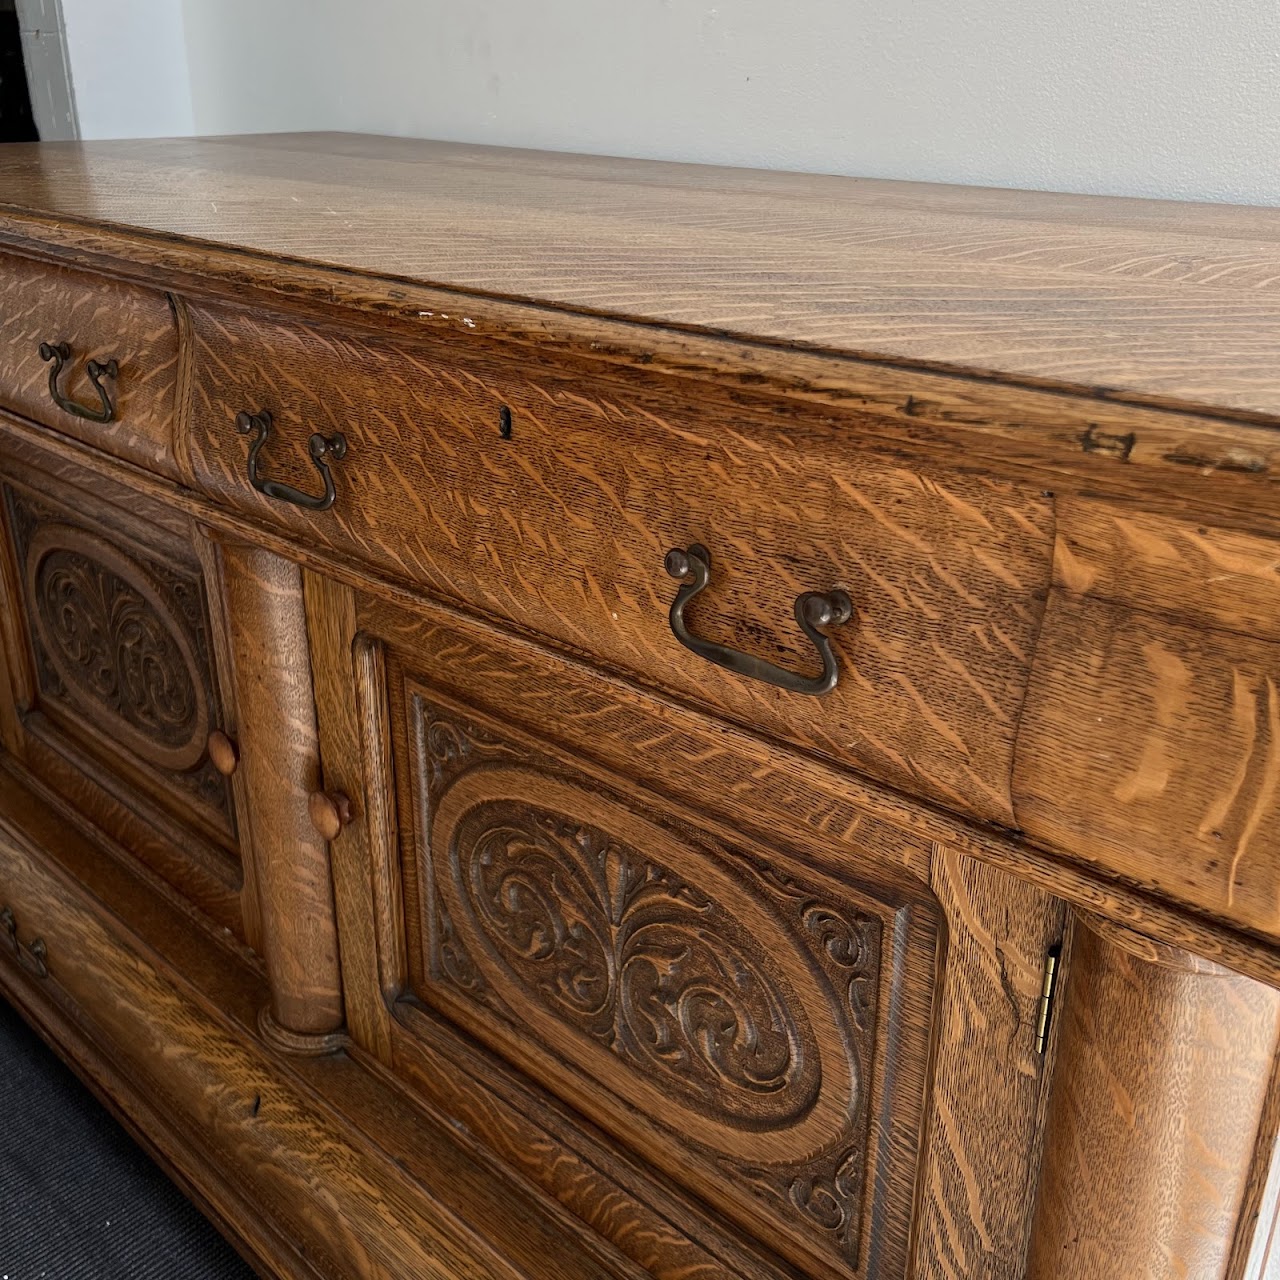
813,610
60,354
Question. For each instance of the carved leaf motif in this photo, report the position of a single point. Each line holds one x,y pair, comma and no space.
536,908
830,1195
632,955
110,642
451,957
853,949
124,642
449,748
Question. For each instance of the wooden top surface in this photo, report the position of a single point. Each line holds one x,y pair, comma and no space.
1164,302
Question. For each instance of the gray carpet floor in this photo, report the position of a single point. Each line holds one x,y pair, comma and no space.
79,1200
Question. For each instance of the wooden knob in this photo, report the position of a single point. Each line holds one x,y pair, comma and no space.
223,752
330,811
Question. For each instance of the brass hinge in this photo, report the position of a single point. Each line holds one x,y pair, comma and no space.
1048,991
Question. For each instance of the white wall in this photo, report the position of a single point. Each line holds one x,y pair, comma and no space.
259,66
128,67
1146,97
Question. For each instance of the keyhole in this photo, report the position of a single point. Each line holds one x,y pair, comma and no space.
504,423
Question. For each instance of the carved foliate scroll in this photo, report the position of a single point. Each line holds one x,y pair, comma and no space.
121,647
730,1004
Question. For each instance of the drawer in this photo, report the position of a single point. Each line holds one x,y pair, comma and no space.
98,320
550,500
1150,746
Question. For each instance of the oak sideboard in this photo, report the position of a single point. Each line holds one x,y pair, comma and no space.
568,717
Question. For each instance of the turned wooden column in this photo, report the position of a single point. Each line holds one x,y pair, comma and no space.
280,758
1163,1066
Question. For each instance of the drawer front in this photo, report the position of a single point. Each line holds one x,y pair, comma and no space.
98,320
561,524
116,675
1151,741
750,1024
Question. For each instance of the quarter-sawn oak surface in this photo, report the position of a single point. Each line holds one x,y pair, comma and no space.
526,941
1176,303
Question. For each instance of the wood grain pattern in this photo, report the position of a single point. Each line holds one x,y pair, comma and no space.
98,802
19,675
990,1084
1170,302
561,532
557,1046
1153,695
281,766
331,629
1216,578
1093,889
206,549
1164,1064
100,320
1153,749
281,1154
619,964
613,1196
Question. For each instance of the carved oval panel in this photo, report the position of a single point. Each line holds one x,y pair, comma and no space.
639,958
116,646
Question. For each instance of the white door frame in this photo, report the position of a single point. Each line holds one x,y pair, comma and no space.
44,54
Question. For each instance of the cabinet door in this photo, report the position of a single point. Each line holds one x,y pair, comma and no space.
670,973
712,1003
116,681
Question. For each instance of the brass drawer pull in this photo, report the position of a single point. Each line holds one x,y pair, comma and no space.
813,610
320,447
60,354
31,955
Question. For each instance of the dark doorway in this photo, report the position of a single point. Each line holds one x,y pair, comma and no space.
17,124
